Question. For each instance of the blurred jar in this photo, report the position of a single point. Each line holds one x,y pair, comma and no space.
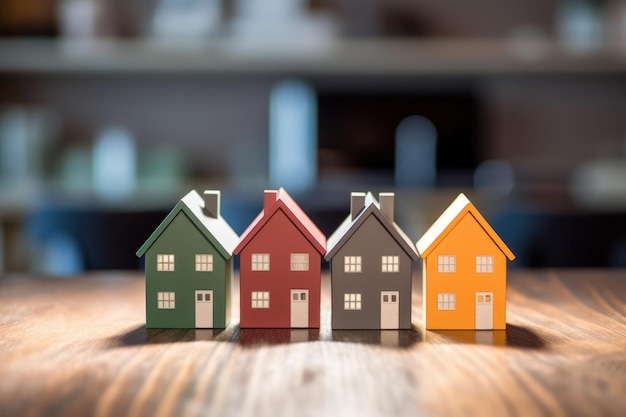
102,18
26,137
186,19
580,25
78,18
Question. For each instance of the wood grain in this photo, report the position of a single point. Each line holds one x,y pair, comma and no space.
80,347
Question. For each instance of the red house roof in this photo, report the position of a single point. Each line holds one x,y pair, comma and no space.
275,200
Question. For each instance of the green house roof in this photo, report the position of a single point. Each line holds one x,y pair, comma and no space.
215,230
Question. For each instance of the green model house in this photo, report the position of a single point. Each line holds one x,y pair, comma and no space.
188,263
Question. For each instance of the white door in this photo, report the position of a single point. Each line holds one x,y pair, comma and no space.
484,310
389,309
299,308
204,309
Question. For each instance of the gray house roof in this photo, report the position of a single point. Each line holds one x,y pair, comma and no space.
215,229
349,226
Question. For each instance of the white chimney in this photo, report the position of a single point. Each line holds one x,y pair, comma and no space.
386,201
212,203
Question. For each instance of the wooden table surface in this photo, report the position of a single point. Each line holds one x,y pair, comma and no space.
80,347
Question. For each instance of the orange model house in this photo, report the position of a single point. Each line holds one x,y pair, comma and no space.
464,271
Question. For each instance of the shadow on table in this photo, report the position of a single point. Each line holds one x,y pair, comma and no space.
387,338
259,337
232,334
256,337
522,337
513,336
143,336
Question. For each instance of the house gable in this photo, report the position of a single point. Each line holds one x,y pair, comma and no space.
183,236
217,231
348,228
448,221
298,218
455,243
371,240
291,240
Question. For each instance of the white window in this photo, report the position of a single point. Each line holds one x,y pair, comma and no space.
299,261
166,300
446,263
484,264
352,301
204,262
352,263
390,263
165,262
446,301
260,299
260,261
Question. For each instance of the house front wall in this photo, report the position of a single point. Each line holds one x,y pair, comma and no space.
371,241
465,242
279,238
183,240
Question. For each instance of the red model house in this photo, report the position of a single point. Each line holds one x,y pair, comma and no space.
280,266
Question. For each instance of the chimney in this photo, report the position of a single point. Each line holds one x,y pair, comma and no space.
269,198
357,203
386,205
212,203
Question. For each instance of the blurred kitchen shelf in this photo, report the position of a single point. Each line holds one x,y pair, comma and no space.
368,57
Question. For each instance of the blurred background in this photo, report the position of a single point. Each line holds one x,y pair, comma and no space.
111,110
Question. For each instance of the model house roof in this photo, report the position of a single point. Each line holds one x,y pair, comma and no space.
207,219
362,207
279,200
449,218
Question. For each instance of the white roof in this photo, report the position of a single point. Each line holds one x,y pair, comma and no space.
218,227
442,222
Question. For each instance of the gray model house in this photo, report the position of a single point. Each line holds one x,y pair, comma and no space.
371,263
